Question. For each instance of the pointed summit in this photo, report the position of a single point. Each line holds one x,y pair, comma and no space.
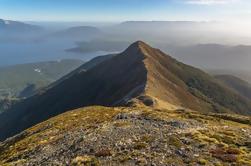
138,47
140,44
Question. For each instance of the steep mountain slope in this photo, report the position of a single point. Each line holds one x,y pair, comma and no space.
239,85
132,136
139,75
86,66
95,61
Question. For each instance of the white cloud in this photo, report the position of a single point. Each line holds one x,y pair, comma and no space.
209,2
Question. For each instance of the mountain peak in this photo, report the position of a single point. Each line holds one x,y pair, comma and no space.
139,45
139,48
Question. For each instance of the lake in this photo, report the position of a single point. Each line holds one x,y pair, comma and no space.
28,52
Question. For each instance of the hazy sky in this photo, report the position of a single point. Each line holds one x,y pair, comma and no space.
122,10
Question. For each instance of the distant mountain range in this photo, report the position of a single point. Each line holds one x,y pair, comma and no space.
8,26
180,38
214,56
139,76
187,25
15,31
79,33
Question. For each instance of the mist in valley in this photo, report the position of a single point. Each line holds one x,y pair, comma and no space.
207,45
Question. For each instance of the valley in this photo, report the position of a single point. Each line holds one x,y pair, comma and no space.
22,81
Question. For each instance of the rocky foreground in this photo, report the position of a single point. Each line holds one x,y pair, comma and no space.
132,136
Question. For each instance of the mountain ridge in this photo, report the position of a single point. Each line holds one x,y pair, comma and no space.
139,76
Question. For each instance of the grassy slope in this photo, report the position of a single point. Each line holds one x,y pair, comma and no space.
124,136
86,66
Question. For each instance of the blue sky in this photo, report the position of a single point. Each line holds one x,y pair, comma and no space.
123,10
